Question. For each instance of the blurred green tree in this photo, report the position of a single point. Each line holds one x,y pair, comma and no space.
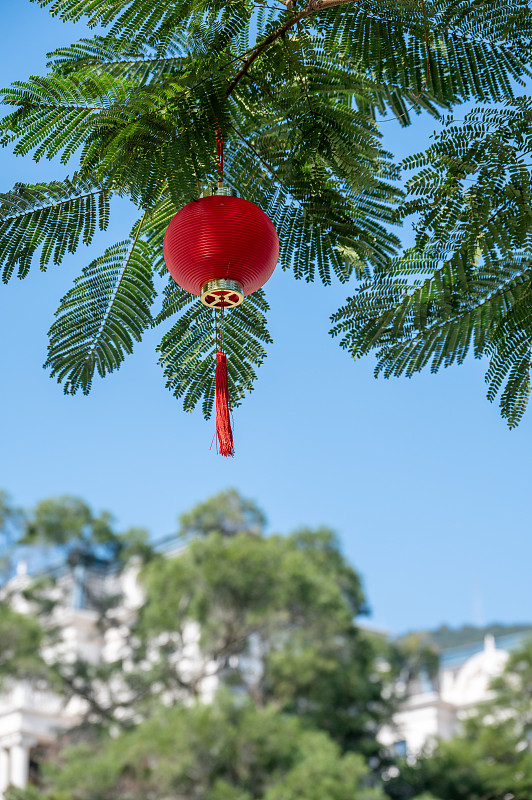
224,751
271,619
276,618
227,513
21,638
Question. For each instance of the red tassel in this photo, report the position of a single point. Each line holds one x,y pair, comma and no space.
223,421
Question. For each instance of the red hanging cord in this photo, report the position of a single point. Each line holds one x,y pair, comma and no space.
220,155
224,434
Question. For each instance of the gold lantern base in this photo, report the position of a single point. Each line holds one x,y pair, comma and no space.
221,293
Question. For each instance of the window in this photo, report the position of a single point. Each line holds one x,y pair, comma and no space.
400,749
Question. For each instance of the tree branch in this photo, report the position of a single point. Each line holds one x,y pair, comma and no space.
311,8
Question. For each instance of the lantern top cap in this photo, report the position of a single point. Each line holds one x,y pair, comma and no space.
220,190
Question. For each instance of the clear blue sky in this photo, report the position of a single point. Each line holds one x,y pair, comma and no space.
427,488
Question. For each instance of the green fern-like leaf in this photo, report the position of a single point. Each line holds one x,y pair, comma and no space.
54,217
138,109
466,285
101,317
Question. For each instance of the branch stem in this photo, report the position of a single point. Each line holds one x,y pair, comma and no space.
312,7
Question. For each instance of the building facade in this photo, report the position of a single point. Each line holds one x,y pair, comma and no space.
434,709
32,716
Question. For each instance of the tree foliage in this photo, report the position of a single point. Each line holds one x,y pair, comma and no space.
227,513
21,638
11,522
78,557
465,285
276,619
242,675
224,751
445,636
295,90
273,619
71,526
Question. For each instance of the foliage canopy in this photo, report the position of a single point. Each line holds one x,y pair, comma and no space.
240,670
295,89
275,618
225,752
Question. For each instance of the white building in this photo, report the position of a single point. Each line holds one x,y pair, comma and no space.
31,717
434,709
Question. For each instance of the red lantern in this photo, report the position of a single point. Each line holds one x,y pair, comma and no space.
221,248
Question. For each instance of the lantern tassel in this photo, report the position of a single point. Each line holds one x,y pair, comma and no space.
224,433
223,421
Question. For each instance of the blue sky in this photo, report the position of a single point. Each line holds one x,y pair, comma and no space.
426,487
